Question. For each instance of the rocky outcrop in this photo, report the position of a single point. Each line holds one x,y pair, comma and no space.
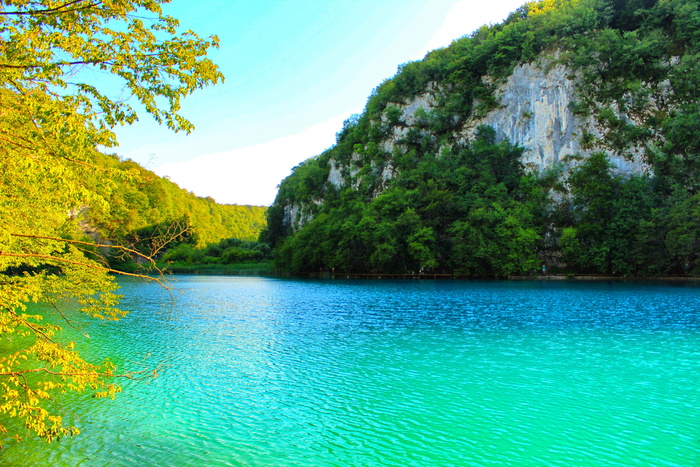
536,112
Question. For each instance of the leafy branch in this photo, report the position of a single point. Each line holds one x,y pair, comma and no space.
61,9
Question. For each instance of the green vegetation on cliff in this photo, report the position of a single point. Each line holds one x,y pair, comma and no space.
395,195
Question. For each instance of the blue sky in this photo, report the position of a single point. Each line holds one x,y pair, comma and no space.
295,69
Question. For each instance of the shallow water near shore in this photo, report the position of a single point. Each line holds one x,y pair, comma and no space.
277,372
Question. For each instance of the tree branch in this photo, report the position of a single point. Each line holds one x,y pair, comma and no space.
129,375
26,323
78,242
43,65
16,144
26,387
51,11
83,264
58,310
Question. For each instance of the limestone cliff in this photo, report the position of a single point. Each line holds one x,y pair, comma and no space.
568,135
536,110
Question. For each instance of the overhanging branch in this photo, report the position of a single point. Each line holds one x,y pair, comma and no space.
65,8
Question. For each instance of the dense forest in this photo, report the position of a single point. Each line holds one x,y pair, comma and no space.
138,198
434,190
152,215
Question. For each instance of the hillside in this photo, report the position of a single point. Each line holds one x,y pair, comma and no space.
137,198
566,137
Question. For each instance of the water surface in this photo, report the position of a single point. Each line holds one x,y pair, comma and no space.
275,372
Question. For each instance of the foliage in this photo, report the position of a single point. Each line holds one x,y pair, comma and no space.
609,219
139,201
682,237
227,251
53,120
408,189
431,218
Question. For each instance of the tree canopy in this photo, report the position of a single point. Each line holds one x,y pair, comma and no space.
408,189
70,71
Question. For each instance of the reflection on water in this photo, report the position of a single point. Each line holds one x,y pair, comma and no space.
256,371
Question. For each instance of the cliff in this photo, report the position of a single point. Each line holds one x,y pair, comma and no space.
562,103
535,112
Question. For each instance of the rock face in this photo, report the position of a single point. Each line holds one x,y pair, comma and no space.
536,113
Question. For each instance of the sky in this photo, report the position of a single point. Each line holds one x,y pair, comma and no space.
294,71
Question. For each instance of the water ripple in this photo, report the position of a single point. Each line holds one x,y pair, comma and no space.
261,372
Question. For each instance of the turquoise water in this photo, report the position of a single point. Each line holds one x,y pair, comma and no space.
273,372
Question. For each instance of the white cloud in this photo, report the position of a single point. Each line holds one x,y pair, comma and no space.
250,175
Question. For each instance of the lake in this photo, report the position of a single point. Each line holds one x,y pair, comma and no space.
251,371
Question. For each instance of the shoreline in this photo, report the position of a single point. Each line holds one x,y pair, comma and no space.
204,271
544,277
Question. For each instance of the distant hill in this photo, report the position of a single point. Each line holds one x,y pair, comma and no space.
566,138
136,198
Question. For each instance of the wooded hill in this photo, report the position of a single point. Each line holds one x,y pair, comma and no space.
138,201
143,211
440,173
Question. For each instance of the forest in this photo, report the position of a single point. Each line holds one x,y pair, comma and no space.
469,206
152,215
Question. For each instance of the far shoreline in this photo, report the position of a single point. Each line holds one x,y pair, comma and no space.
266,270
544,277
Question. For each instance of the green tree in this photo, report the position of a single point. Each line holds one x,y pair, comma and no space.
683,237
497,238
610,223
593,188
52,122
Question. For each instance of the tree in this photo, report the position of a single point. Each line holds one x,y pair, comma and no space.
612,229
594,189
52,120
496,238
683,237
